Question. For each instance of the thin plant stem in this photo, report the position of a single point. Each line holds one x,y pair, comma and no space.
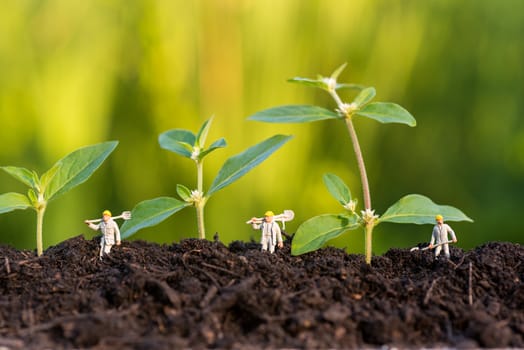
369,236
358,151
200,220
39,224
199,204
369,223
360,161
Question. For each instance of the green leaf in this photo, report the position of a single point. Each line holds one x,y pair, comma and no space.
365,96
418,209
77,167
319,83
150,213
202,133
337,188
349,86
294,114
26,176
215,145
183,192
238,165
47,177
339,70
386,112
172,139
13,201
313,233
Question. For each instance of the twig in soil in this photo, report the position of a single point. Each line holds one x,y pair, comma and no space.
7,343
208,275
209,295
221,269
428,294
459,263
75,318
7,267
470,287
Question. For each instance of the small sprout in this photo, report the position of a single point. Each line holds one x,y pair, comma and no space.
331,83
313,233
351,206
369,217
346,110
68,172
190,145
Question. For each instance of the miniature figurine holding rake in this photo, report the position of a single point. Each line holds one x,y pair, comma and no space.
109,229
271,233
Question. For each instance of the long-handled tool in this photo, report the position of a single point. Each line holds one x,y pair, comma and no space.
287,215
428,247
126,215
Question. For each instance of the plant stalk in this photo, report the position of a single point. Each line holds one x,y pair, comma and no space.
358,151
369,236
202,202
200,220
361,165
39,224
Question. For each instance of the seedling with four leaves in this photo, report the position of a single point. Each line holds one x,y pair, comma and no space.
192,146
413,208
68,172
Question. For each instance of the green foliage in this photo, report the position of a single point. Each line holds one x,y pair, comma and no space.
315,232
416,209
237,166
67,173
190,145
149,213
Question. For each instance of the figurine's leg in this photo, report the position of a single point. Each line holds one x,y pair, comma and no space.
437,251
102,244
271,245
107,248
446,250
264,242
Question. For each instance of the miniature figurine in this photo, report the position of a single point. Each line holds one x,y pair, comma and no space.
109,229
440,237
271,233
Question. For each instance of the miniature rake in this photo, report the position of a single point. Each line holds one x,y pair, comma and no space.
126,215
287,215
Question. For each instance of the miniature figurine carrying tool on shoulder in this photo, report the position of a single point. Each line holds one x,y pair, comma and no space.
439,237
109,229
271,234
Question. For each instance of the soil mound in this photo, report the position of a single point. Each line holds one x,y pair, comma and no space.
202,294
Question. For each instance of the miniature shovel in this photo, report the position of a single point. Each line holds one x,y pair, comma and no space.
434,246
287,215
126,215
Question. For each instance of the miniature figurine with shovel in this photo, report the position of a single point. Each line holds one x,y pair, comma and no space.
439,238
271,233
109,229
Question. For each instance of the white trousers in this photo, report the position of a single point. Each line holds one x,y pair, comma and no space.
267,242
439,248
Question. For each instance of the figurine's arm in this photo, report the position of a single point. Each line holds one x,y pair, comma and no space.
279,236
117,233
92,226
452,233
433,234
255,225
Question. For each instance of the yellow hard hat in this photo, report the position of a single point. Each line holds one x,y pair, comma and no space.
439,217
269,213
106,212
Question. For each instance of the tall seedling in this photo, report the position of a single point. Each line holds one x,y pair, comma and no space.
68,172
413,208
192,146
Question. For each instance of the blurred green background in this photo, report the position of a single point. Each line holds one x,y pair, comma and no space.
74,73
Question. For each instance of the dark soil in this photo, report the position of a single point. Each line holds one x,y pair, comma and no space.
201,294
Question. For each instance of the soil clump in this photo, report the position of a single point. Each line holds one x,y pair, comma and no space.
203,294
